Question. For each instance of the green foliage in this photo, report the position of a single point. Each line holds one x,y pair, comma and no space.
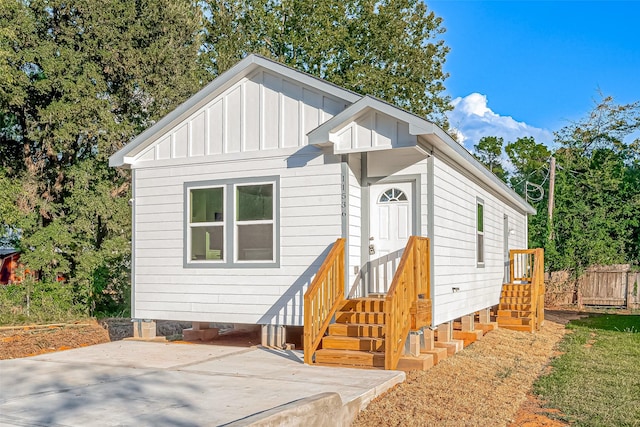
597,203
79,80
489,153
387,48
38,302
530,161
596,380
596,217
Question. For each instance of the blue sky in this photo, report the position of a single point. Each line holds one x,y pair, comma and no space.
521,68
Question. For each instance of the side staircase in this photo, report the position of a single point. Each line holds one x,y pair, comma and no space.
515,309
521,305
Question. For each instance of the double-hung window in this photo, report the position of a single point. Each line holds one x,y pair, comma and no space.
206,224
480,232
254,222
232,223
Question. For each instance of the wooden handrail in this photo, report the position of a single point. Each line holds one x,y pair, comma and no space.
411,280
323,298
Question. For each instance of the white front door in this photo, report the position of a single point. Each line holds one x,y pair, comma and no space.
391,218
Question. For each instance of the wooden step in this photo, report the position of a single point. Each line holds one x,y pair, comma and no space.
522,328
502,321
364,304
356,330
515,294
360,317
515,300
519,307
514,313
353,343
516,286
422,362
350,358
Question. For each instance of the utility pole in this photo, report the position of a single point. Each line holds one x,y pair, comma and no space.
552,184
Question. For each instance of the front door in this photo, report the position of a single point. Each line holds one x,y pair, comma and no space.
391,218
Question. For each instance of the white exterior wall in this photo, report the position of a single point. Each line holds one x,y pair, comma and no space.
354,224
255,128
310,221
455,262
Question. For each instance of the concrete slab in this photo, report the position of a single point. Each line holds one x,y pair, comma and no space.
165,384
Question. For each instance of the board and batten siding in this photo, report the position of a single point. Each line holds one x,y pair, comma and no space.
374,131
310,222
261,112
455,262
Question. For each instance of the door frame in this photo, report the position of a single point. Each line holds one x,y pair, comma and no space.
416,226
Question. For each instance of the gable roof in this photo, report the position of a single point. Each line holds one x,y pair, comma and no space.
442,141
217,86
322,135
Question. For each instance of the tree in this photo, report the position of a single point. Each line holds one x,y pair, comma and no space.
597,214
489,153
387,48
529,178
529,160
80,79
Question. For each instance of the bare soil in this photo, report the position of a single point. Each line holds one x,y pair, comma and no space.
23,341
488,383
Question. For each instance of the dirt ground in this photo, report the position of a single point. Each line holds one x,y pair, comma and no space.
23,341
488,383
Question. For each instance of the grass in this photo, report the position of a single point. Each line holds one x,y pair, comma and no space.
596,379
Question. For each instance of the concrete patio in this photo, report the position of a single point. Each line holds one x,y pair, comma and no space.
171,384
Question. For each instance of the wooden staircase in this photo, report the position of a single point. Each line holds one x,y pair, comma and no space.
368,332
357,337
515,309
521,305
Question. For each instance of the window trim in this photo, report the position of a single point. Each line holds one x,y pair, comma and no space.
480,252
229,223
190,225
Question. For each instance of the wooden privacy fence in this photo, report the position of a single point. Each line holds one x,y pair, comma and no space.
412,279
614,285
322,299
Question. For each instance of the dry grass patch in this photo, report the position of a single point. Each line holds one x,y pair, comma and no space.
483,385
23,341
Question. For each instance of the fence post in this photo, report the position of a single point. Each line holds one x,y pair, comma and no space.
629,289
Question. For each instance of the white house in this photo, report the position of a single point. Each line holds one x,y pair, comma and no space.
240,192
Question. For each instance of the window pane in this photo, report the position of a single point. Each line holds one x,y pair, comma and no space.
480,248
207,242
254,202
255,242
207,205
480,218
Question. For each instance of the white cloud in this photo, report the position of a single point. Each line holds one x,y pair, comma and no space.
471,119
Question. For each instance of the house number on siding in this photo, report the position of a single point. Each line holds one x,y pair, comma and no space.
343,201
